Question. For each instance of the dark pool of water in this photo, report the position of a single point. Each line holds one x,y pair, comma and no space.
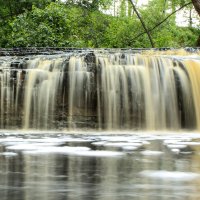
99,167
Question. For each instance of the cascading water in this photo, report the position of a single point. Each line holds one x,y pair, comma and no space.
42,84
79,89
145,92
100,90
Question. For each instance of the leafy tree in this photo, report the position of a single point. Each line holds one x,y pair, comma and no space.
12,8
167,33
51,26
57,25
90,4
81,24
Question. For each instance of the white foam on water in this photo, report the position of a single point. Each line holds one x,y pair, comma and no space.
168,142
23,147
190,143
182,144
177,151
11,139
75,139
130,148
146,142
21,141
176,146
73,151
101,143
152,153
125,141
13,143
55,150
170,175
45,140
8,154
99,153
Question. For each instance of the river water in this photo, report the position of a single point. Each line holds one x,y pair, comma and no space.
99,166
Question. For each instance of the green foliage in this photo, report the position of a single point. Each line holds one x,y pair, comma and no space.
168,34
83,24
12,8
51,26
59,25
121,36
6,29
176,37
90,4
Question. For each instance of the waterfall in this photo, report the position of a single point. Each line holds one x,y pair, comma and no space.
44,77
144,92
193,68
79,89
100,90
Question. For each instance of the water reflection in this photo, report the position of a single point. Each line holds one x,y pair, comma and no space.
151,172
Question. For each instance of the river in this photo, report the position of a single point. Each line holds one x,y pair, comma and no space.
99,166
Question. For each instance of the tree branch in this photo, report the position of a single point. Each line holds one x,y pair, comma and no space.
150,30
143,24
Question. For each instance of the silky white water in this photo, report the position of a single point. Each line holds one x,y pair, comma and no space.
109,91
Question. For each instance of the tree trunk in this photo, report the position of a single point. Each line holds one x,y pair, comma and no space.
142,22
196,4
198,42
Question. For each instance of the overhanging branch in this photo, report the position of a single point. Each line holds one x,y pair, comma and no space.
142,22
150,30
